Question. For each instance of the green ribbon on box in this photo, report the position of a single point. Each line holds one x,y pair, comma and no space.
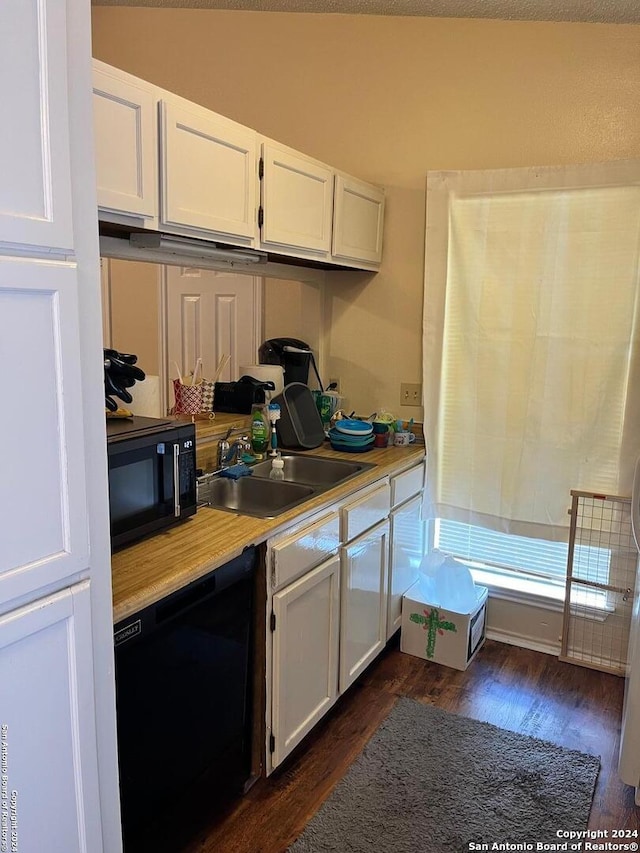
433,625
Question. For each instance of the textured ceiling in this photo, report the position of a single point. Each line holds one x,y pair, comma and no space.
603,11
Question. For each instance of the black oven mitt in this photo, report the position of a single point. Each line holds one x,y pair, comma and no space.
120,373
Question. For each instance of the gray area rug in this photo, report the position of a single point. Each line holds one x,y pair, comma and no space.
433,781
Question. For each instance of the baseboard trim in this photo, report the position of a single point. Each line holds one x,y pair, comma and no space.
523,642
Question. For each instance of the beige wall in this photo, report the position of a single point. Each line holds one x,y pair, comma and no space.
388,99
134,291
293,309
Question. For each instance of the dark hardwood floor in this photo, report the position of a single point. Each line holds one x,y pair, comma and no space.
516,689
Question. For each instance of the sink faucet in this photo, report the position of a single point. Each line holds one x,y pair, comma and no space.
229,454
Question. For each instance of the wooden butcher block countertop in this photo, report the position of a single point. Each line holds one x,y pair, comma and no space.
149,570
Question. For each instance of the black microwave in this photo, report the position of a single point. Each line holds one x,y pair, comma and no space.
152,475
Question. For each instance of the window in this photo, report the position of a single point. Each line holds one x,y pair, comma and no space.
531,360
527,568
533,557
489,548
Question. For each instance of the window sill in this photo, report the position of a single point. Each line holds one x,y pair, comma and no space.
521,589
547,595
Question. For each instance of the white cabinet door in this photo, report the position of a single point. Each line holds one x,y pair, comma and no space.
53,507
406,549
35,194
363,511
43,523
363,607
209,174
301,550
407,484
358,221
297,201
305,655
126,143
49,790
211,314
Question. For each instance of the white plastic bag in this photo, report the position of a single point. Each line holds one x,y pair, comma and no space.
426,583
447,583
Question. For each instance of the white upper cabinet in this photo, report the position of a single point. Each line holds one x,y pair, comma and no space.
126,142
357,221
212,185
209,174
35,189
297,202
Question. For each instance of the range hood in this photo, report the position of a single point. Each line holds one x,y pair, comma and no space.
159,248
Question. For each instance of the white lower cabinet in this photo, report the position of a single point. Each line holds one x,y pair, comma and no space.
305,625
47,728
363,609
407,539
406,548
327,609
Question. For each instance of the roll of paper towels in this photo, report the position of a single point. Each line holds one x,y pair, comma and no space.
266,373
146,397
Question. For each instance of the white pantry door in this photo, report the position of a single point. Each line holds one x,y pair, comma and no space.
56,643
211,314
43,522
47,741
35,194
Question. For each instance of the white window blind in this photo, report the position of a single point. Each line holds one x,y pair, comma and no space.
535,557
531,367
531,362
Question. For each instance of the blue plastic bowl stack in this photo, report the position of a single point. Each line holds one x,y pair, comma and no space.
351,436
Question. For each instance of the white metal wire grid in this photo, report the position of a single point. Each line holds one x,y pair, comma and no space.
601,574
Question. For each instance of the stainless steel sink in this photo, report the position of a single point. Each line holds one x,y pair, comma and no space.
262,497
313,470
252,495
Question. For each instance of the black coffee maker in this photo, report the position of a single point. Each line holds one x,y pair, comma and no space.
293,355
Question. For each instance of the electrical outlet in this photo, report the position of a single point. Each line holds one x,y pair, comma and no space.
410,394
335,382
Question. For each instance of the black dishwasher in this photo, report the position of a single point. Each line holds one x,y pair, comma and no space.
183,691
